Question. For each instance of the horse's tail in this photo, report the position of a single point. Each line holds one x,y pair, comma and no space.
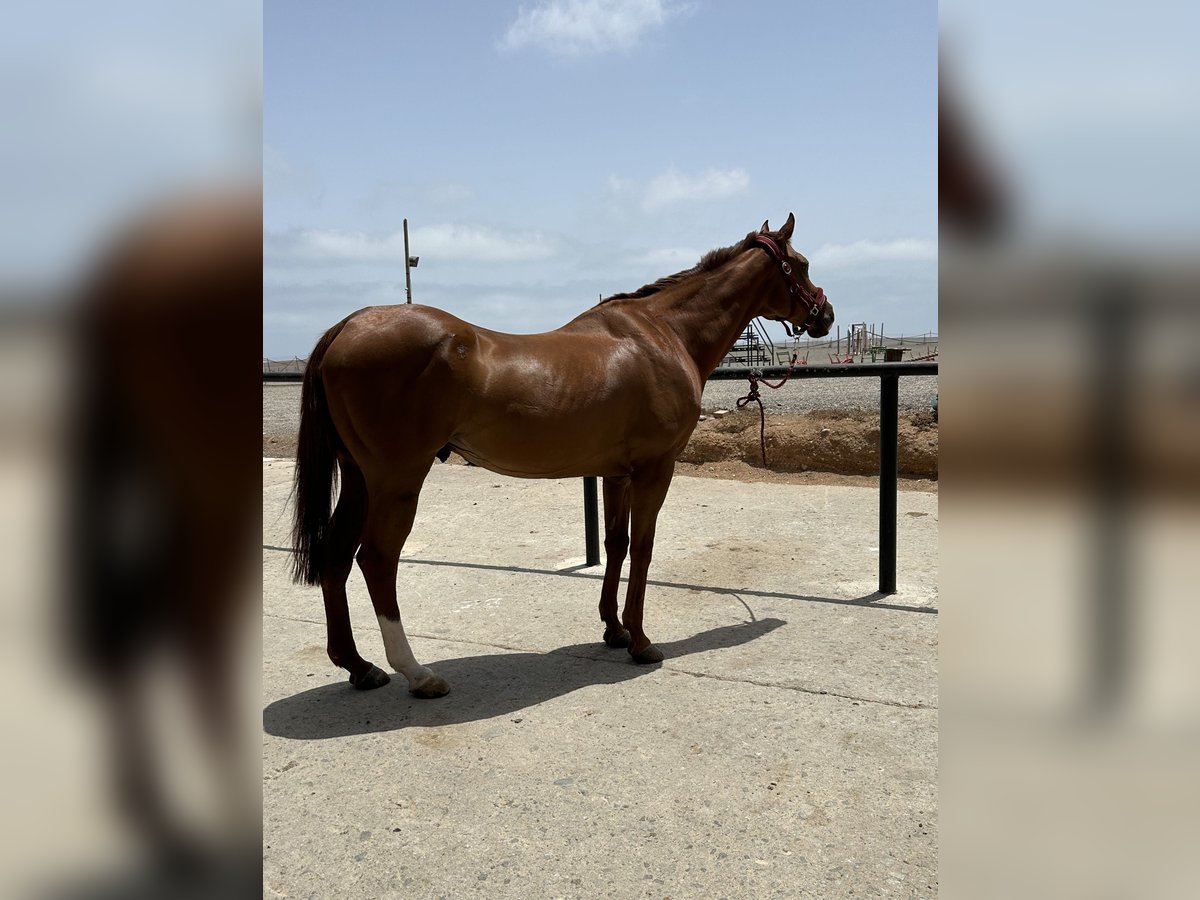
316,468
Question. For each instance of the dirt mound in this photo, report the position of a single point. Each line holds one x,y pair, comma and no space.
846,442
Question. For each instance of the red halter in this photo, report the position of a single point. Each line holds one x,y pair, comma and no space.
813,302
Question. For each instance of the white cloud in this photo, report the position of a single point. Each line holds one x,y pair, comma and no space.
356,246
667,258
619,185
580,27
481,244
451,193
859,252
673,187
459,243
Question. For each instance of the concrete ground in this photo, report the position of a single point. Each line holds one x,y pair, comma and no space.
786,747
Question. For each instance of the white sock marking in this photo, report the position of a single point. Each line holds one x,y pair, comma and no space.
399,654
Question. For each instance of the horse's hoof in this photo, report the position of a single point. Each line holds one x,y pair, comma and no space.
373,678
648,655
430,686
615,638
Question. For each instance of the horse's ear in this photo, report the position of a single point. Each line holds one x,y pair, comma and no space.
786,231
765,228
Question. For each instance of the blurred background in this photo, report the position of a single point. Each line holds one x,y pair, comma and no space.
1070,416
130,314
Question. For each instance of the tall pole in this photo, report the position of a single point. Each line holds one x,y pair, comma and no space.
889,403
407,272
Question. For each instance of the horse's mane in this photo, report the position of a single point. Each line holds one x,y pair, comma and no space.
711,260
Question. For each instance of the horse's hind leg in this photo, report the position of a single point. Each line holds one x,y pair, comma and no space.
392,509
346,528
616,545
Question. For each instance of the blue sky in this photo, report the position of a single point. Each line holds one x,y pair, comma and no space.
546,153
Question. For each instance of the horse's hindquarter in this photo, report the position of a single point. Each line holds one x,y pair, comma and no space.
390,382
570,403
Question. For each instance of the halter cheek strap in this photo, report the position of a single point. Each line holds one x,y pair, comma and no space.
813,302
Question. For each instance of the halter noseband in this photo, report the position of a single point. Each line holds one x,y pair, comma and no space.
814,303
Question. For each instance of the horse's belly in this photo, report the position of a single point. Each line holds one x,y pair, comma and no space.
531,447
545,421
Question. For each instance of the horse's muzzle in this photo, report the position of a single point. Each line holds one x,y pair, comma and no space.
824,323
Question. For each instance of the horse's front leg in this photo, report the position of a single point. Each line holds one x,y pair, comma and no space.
616,545
648,490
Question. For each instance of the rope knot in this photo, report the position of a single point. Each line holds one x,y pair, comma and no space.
753,392
752,395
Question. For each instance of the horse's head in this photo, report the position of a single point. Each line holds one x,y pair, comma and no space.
805,305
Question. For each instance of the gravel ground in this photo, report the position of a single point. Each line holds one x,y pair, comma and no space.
281,408
823,393
281,402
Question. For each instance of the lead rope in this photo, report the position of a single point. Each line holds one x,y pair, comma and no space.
755,378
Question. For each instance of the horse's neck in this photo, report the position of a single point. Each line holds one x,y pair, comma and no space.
708,313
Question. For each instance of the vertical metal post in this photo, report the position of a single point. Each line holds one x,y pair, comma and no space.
889,405
591,521
407,271
1114,627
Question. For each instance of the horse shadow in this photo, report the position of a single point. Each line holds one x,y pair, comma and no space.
483,687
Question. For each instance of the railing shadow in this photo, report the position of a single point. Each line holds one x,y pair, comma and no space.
482,687
874,600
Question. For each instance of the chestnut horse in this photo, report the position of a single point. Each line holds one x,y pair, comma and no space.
163,502
613,393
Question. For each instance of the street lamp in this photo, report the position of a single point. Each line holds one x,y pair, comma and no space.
410,262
